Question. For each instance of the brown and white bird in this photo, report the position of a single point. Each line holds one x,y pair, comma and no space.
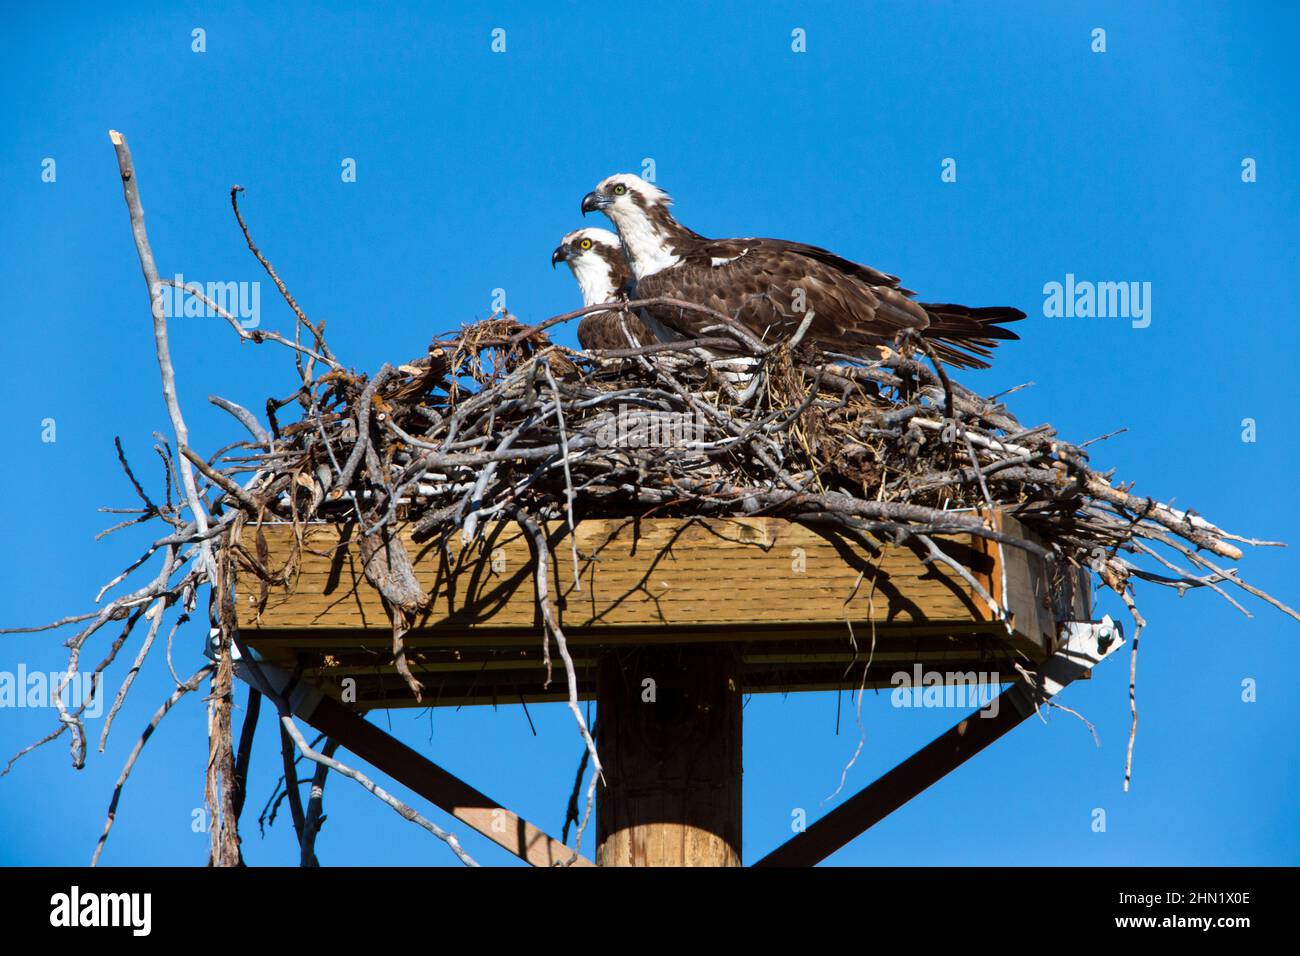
596,259
769,285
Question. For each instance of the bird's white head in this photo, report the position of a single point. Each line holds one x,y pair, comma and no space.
596,258
639,210
624,193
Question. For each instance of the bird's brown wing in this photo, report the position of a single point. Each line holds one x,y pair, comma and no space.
770,285
602,330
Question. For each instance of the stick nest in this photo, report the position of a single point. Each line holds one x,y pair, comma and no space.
497,422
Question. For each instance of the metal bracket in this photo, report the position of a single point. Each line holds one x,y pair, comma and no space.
303,697
1083,645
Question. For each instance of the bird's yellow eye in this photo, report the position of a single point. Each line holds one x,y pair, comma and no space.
620,189
585,244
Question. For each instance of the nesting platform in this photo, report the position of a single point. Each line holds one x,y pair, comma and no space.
806,606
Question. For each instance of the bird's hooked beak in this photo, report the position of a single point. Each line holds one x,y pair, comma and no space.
561,254
594,201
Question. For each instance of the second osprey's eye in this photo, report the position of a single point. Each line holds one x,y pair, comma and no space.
620,189
585,244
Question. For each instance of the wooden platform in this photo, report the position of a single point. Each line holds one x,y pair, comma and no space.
794,598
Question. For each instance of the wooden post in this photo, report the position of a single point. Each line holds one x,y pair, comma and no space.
669,735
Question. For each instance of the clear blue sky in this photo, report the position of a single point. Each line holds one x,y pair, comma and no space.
1119,166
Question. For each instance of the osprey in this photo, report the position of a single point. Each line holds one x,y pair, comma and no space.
769,285
597,262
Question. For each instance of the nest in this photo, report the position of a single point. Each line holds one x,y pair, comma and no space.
497,422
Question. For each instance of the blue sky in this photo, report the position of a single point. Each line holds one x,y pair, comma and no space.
1115,166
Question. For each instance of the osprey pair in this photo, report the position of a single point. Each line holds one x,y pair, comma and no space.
768,285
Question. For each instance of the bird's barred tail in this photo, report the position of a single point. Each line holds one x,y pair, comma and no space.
963,337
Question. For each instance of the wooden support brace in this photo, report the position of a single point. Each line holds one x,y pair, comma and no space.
412,769
1084,646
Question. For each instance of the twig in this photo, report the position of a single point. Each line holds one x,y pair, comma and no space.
132,193
401,808
191,684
